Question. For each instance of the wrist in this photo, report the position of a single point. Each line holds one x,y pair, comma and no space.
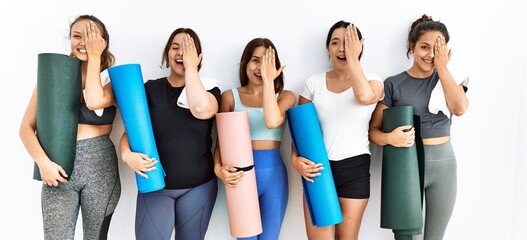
124,155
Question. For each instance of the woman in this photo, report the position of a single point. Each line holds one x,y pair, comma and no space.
261,94
344,98
94,184
182,108
427,41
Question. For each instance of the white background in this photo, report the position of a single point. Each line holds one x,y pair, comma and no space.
488,37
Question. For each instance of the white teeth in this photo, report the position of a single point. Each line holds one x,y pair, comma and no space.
179,61
82,50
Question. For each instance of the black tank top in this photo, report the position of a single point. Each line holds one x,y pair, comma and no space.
87,116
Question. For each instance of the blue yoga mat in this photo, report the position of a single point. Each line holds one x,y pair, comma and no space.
306,135
129,90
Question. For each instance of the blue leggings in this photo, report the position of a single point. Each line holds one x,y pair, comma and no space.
273,191
187,210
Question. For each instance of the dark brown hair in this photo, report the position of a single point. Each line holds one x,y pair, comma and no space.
342,24
421,25
193,35
107,58
247,55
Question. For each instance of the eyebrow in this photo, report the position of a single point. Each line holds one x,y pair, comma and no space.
254,56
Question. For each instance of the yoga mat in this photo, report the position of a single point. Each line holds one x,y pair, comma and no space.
59,86
234,138
306,135
129,91
402,177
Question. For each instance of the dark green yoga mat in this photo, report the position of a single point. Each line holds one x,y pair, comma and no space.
58,101
402,177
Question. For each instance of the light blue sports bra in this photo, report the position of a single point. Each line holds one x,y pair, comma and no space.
256,121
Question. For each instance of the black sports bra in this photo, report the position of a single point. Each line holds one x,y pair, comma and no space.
87,116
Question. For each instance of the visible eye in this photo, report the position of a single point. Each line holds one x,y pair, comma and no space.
175,48
334,43
255,60
76,36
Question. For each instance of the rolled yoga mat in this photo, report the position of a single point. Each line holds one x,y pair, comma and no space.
234,139
306,135
129,91
402,177
59,86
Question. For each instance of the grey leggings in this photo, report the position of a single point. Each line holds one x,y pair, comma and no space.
94,187
440,189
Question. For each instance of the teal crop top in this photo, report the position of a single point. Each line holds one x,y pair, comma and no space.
256,121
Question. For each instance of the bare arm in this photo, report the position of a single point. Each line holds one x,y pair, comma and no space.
50,172
366,91
96,96
138,162
399,137
202,104
274,109
455,96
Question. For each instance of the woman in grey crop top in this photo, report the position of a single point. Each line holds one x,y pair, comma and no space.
427,41
94,184
261,94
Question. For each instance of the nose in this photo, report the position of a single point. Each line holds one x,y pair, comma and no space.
341,47
179,52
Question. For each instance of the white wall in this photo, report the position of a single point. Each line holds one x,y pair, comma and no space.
489,138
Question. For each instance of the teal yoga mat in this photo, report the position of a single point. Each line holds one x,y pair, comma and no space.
402,177
306,135
59,86
129,91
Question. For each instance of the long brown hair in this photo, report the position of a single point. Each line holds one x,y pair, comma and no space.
193,35
107,58
247,55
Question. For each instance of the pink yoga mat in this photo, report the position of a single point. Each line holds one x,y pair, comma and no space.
234,137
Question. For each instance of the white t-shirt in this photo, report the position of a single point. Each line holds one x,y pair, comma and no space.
344,122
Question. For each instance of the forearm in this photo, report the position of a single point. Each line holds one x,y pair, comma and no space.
94,95
124,146
202,104
455,96
378,137
362,89
273,115
32,145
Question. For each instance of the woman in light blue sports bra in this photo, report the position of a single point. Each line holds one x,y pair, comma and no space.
261,94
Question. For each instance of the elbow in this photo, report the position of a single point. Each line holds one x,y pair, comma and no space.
94,104
203,112
365,99
460,110
272,125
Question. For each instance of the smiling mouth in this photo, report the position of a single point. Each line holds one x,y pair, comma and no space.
82,50
179,62
341,58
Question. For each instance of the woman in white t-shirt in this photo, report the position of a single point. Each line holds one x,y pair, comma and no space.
344,98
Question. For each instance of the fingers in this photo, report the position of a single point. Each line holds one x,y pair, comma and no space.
230,176
141,174
309,169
